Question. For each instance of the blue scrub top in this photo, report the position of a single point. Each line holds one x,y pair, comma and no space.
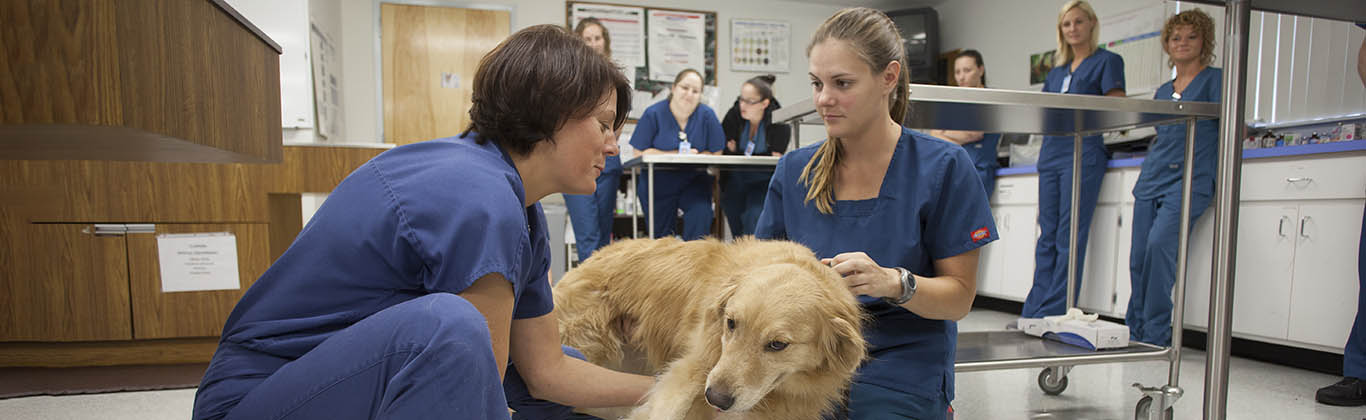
930,207
1097,74
429,217
760,140
657,128
1162,169
983,152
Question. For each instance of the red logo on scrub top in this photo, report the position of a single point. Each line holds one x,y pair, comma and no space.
979,234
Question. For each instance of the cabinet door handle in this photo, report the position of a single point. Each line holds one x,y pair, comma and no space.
1299,179
1280,228
1303,221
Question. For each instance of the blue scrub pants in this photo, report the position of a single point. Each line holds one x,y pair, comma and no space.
1048,296
591,215
1152,264
873,402
690,191
1354,355
742,198
429,357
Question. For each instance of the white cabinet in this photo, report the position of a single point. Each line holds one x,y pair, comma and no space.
1298,238
1266,252
1019,232
1323,297
1006,267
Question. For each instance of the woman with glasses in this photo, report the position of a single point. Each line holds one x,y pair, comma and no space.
1083,69
680,124
1188,39
750,131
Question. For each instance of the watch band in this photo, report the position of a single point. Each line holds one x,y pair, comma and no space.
907,288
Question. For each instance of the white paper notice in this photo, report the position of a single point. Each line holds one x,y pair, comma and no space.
676,43
625,26
198,261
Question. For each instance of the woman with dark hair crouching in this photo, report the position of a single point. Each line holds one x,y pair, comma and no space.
425,271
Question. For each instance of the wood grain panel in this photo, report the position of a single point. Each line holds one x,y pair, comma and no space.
106,192
309,169
59,284
420,44
142,352
190,314
163,72
286,221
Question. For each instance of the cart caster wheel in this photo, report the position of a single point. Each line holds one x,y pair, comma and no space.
1145,404
1050,384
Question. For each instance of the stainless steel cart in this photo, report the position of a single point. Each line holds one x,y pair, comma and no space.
710,162
1004,111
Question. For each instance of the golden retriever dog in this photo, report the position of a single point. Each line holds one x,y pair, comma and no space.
752,329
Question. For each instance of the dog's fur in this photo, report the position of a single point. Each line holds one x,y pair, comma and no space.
672,301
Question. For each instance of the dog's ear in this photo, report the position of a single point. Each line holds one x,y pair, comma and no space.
846,346
718,308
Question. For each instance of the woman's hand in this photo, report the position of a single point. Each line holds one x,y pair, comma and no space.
864,276
730,145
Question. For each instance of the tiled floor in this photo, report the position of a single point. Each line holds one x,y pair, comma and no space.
1256,391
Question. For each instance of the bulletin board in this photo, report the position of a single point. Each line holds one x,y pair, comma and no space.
680,29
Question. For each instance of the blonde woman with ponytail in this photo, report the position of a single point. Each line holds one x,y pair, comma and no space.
898,213
1081,68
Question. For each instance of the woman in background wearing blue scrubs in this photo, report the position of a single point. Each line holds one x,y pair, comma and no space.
750,131
1188,39
425,271
896,212
970,71
679,124
591,214
1084,69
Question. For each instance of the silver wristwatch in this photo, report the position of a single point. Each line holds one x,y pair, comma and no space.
907,288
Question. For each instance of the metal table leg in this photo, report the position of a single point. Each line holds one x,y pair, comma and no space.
650,192
1231,130
1076,207
635,200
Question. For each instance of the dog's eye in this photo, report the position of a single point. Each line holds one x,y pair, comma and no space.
730,324
775,346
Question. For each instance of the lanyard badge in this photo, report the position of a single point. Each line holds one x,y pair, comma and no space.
683,146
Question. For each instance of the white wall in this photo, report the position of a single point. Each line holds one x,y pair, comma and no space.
359,50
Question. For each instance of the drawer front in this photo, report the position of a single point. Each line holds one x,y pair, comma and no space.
1016,189
1324,178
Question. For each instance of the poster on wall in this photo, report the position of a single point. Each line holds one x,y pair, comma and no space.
759,45
625,26
677,42
326,87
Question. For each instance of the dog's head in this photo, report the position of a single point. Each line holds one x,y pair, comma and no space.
790,327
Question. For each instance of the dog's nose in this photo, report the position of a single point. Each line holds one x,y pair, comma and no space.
719,399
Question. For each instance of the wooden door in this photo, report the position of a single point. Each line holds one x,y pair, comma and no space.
429,58
158,314
60,282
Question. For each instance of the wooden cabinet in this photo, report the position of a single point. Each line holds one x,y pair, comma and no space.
1323,297
137,80
158,314
71,297
62,283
